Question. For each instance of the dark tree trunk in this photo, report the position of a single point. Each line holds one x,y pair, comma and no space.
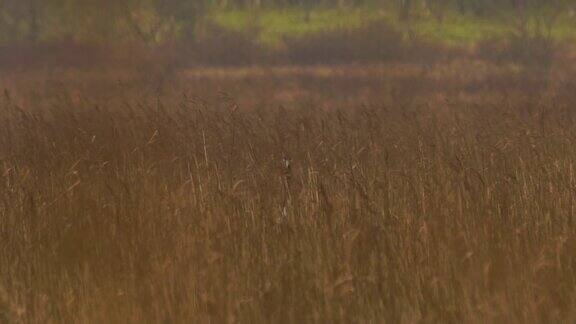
33,22
461,7
405,9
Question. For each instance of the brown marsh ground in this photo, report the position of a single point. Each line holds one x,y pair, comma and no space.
399,193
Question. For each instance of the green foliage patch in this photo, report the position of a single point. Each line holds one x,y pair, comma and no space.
273,25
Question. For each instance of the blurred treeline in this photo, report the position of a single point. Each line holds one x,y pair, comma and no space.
153,21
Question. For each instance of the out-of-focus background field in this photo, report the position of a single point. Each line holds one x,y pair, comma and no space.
171,161
182,33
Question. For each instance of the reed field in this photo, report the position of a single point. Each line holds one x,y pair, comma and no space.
392,193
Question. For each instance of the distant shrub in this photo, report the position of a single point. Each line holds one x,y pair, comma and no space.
534,49
219,46
62,53
375,42
215,46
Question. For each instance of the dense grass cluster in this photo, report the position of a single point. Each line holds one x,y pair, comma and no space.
295,198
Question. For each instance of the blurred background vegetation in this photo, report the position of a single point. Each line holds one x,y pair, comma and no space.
254,25
160,20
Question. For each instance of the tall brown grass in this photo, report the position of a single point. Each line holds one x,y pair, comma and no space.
120,204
